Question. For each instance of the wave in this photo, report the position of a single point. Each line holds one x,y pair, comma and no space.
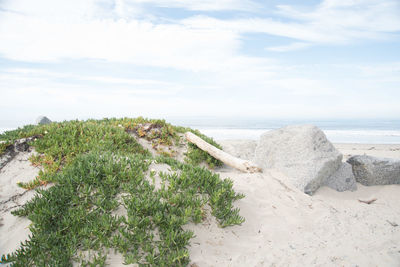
335,136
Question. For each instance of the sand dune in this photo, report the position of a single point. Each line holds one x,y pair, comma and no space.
283,227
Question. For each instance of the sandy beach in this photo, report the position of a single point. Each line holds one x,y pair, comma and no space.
113,115
376,150
283,227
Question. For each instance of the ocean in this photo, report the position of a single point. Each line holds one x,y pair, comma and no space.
337,131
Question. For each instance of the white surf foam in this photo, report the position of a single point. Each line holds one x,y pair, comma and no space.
335,136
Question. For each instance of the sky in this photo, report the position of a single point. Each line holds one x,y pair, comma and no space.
217,58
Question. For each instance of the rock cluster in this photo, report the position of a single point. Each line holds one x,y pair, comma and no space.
309,160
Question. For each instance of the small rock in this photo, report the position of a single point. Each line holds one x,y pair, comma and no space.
22,145
42,120
370,170
147,127
343,179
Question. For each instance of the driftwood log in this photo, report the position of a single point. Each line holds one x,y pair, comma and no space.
240,164
368,201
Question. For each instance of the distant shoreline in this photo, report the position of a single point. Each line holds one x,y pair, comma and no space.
337,131
366,137
335,136
246,148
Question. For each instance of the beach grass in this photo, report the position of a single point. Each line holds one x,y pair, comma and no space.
3,147
97,167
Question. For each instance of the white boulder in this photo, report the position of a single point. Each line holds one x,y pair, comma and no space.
301,152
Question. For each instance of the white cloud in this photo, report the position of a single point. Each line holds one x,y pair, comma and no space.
351,19
33,72
138,42
52,10
392,68
203,54
204,5
329,23
23,78
83,30
114,80
289,47
269,92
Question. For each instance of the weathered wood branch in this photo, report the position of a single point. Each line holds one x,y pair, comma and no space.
368,201
240,164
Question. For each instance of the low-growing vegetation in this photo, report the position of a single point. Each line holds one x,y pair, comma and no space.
3,147
97,168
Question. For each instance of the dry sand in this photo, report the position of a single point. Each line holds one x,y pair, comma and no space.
283,227
380,150
14,229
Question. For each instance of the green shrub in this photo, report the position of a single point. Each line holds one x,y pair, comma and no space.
96,167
